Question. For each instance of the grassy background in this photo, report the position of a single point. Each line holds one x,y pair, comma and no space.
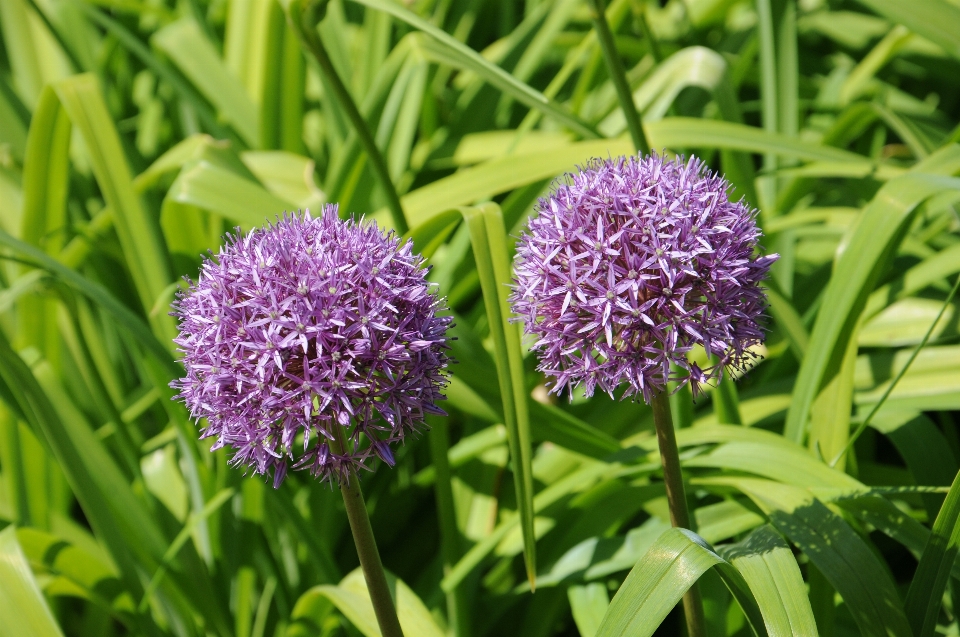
134,133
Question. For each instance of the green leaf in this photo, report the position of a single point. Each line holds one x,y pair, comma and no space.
906,322
789,465
351,598
502,174
935,20
884,516
46,174
489,239
214,188
74,571
924,449
830,422
658,581
286,175
112,509
865,257
851,567
446,48
589,604
771,571
99,295
142,244
926,589
692,66
935,269
23,610
191,51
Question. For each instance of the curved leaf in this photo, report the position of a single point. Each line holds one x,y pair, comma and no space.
659,580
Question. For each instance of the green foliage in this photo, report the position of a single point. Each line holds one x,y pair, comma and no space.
133,135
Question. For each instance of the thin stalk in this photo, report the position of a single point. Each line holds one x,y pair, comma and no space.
304,19
619,77
373,573
677,500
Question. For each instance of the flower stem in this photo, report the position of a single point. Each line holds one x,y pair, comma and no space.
304,17
619,77
373,573
677,500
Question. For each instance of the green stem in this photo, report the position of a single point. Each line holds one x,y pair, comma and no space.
619,77
303,19
450,544
677,500
373,573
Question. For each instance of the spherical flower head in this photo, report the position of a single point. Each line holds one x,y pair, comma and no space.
313,343
629,265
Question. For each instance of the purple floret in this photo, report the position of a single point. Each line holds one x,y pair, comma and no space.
309,330
631,263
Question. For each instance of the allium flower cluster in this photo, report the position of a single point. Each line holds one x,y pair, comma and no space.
631,263
312,334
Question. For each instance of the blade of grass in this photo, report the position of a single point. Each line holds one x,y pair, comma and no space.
190,50
102,297
139,235
131,43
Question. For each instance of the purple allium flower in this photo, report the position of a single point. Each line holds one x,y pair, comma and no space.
307,332
631,263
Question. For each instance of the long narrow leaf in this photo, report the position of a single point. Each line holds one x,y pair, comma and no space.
493,264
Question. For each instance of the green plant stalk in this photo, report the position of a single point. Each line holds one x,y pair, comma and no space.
373,573
677,500
619,77
377,587
304,23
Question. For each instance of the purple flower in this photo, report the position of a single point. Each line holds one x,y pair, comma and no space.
312,333
631,263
